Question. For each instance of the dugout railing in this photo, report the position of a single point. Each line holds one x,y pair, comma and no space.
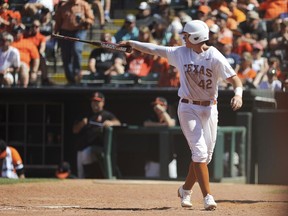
165,139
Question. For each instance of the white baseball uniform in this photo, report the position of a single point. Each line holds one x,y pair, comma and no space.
199,76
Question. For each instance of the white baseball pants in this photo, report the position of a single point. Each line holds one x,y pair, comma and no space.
199,125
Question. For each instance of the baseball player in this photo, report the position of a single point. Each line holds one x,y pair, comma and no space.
201,67
11,164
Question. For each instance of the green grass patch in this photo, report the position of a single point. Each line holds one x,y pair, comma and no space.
4,181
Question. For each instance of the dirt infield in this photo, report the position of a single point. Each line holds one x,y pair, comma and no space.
129,197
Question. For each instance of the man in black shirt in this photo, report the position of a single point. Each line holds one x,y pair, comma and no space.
106,62
89,130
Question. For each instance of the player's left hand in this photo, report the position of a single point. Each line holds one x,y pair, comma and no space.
236,102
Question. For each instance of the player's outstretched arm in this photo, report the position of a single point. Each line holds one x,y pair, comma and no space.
148,48
236,101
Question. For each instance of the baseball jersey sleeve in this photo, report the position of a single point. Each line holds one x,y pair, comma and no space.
16,159
221,65
149,48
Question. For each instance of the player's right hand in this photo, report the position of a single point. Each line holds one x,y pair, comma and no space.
236,102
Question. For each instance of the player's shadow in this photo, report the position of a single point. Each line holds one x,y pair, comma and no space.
250,201
126,209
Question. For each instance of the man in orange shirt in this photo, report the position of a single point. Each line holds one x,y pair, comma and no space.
39,40
29,57
36,37
8,18
11,165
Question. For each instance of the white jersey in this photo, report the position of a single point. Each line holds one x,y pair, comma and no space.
199,73
8,170
9,58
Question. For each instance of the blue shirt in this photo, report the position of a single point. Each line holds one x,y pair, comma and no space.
123,34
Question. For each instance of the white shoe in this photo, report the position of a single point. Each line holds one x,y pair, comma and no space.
209,202
185,196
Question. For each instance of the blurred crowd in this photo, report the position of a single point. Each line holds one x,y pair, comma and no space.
251,34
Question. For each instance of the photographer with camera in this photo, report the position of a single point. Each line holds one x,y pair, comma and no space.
73,19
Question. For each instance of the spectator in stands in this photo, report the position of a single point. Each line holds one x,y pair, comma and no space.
35,36
128,31
225,47
159,6
184,17
11,162
231,22
89,135
274,62
34,7
273,8
203,12
8,18
246,73
145,35
160,33
101,10
213,35
279,43
221,21
9,59
144,17
138,64
254,29
46,29
169,77
271,82
173,21
246,6
240,45
161,67
260,62
160,115
29,57
73,19
105,62
236,13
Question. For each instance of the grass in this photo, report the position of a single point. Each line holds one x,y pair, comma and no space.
5,181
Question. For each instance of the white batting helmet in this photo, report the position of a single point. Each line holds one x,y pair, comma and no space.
198,31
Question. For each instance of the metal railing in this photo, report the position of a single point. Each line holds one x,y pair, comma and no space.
164,143
218,166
